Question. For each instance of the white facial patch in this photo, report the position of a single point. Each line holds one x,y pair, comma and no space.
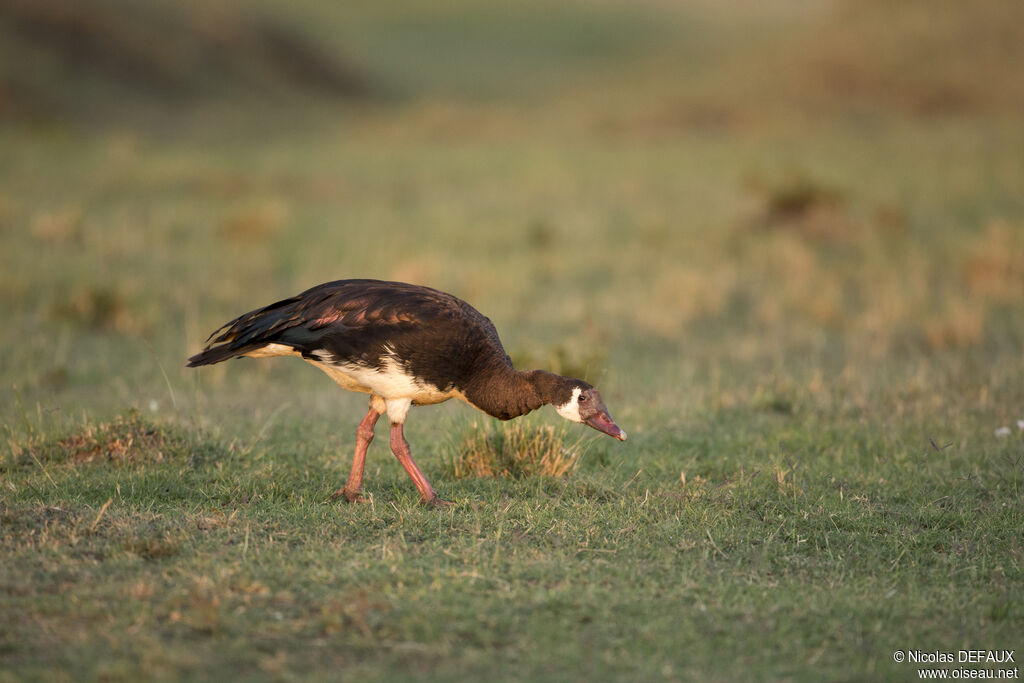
571,410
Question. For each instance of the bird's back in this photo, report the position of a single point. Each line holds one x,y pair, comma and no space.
433,336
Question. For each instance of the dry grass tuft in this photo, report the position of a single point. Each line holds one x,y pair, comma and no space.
101,308
960,325
128,439
58,227
804,205
995,267
124,440
153,547
515,450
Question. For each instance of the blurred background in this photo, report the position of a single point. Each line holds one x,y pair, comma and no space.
700,206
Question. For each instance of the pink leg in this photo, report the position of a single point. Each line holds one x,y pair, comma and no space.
400,447
364,435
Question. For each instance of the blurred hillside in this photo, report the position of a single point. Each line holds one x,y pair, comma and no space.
73,60
647,65
116,59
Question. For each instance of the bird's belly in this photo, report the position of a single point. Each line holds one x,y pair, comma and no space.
272,351
346,379
390,382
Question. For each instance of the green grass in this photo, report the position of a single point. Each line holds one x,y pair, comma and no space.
812,478
214,561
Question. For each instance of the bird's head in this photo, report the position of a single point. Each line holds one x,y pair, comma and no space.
582,403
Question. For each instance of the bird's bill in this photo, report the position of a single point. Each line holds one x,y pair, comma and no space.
603,422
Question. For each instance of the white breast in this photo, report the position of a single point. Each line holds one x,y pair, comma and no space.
391,381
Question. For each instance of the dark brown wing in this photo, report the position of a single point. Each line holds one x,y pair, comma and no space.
437,336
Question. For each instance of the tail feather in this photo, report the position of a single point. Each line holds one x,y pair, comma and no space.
247,333
302,322
216,354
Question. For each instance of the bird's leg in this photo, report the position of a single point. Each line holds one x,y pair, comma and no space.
400,447
364,435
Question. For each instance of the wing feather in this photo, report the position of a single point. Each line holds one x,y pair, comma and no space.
358,321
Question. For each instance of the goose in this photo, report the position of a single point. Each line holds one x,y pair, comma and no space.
404,345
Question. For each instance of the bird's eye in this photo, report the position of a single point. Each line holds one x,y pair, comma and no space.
582,398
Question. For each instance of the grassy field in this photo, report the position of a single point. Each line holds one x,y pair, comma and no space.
785,243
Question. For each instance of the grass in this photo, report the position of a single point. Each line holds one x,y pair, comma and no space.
843,546
804,308
515,451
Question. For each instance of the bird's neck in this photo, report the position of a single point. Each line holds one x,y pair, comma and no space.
504,392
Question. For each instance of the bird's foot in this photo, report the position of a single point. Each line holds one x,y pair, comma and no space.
349,496
436,502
